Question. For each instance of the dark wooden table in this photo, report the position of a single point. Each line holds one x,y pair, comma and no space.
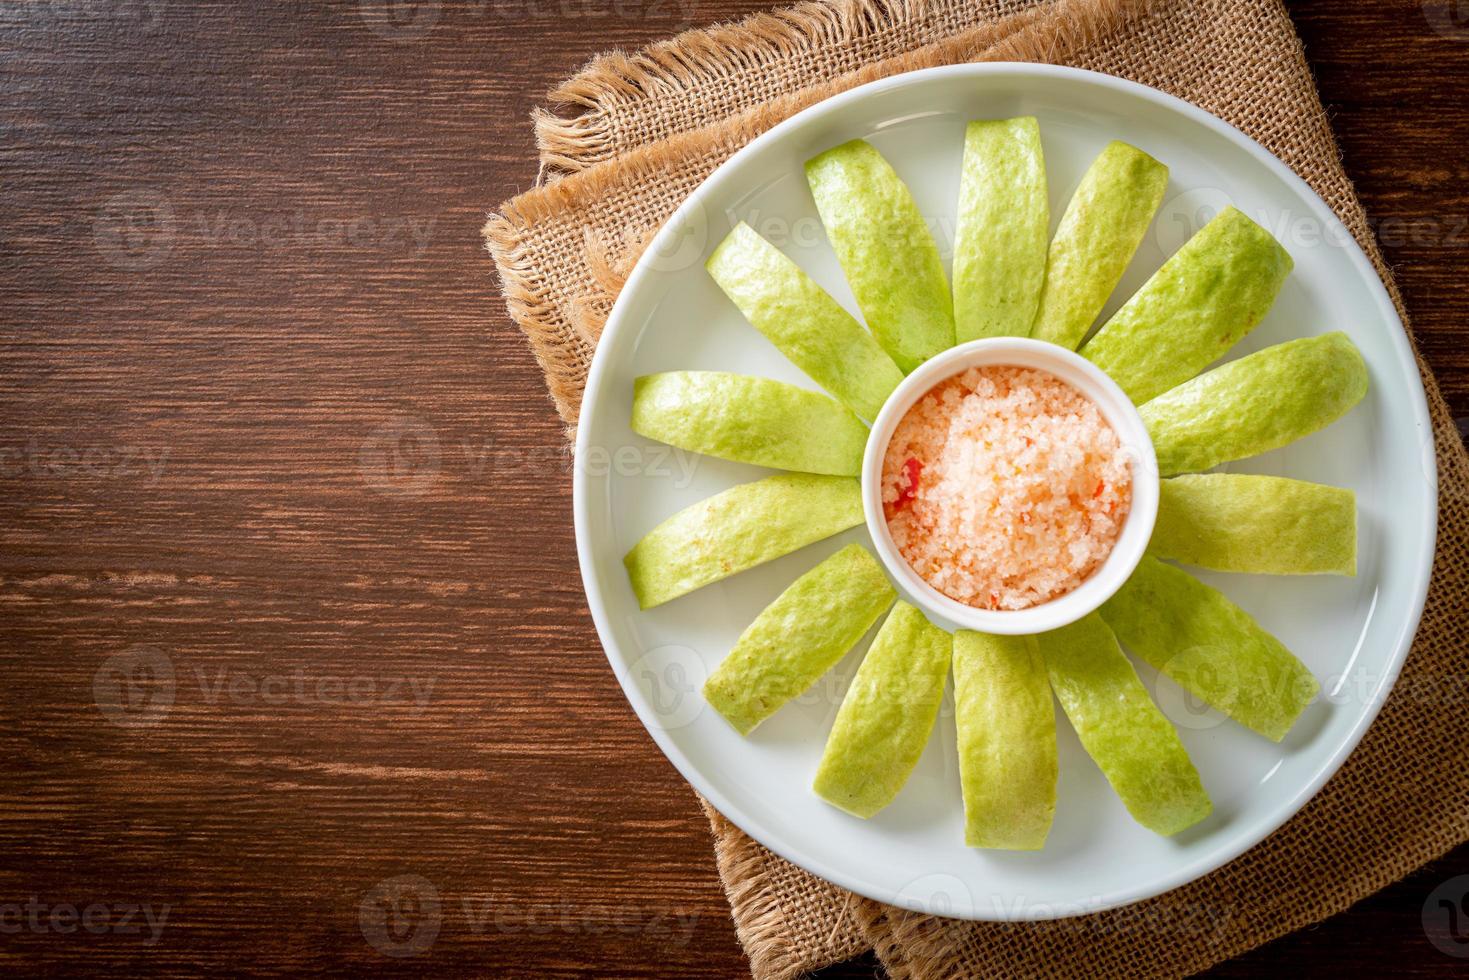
291,630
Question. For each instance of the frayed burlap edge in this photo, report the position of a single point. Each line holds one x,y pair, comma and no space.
762,923
1042,34
756,910
613,94
693,59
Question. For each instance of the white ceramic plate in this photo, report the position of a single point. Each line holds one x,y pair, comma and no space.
1352,633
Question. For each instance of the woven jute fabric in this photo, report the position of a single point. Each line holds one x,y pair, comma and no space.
635,134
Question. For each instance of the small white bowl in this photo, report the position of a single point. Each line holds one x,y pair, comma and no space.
1118,410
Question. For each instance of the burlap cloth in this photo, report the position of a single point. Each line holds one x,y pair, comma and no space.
639,132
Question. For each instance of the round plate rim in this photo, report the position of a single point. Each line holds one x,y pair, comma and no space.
616,323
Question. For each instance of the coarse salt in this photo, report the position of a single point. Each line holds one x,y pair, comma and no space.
1005,487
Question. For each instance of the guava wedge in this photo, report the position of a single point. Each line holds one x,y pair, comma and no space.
1211,648
1269,525
885,249
1121,728
803,321
1203,301
1004,220
1007,740
799,637
749,420
737,529
887,715
1260,402
1099,232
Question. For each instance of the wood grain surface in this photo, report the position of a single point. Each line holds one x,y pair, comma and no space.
297,675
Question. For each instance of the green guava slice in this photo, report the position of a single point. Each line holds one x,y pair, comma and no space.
1099,232
803,321
798,637
749,420
1237,522
885,249
1257,403
1007,740
1121,728
887,715
1004,221
1203,301
740,528
1211,648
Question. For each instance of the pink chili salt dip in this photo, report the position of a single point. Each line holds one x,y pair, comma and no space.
1005,487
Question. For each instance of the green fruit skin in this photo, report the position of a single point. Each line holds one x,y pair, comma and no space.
1211,648
1202,302
1099,232
1257,403
749,420
1004,219
1267,525
1122,729
803,321
887,714
738,529
1007,740
798,637
885,249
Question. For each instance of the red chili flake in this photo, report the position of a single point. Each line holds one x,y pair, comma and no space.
1101,485
912,468
994,600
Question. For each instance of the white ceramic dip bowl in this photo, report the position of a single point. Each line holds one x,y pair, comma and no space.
1115,407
